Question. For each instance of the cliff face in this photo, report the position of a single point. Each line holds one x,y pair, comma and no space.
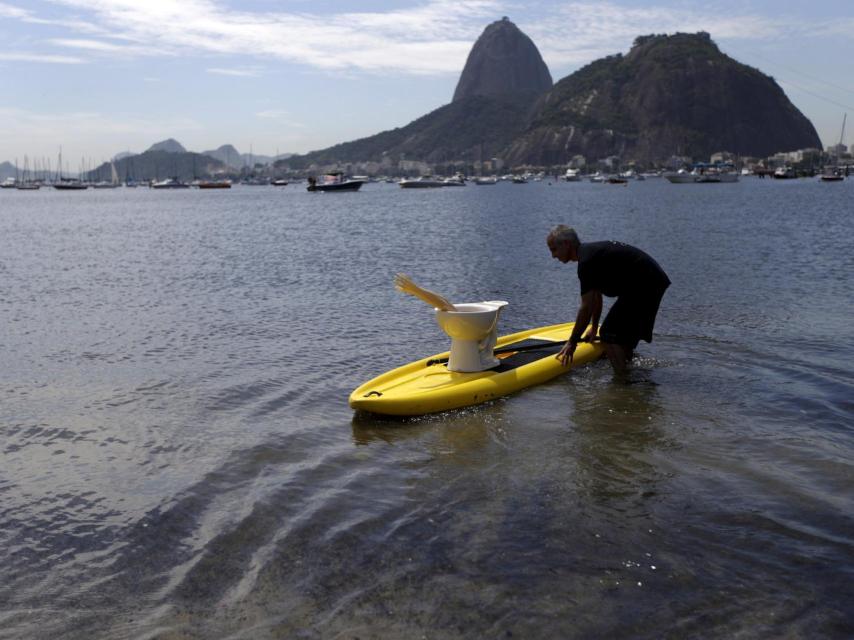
670,95
503,61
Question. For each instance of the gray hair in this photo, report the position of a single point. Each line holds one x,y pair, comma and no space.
562,233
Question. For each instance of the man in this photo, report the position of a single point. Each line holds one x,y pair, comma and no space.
611,269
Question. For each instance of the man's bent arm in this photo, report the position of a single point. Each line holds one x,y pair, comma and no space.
594,319
586,311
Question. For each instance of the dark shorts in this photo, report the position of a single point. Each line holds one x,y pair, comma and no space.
632,318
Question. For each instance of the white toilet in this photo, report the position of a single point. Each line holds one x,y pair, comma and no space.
473,329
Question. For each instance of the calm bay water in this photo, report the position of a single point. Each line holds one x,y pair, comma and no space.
178,459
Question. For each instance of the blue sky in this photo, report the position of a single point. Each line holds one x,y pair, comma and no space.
102,76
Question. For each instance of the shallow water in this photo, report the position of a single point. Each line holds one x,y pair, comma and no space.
179,461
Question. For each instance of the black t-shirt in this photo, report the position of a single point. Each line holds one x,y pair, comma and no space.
615,269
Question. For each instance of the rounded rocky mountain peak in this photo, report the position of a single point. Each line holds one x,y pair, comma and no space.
503,61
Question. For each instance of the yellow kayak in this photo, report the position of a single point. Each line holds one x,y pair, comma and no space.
426,386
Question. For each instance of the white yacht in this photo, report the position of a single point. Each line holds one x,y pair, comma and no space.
422,182
681,177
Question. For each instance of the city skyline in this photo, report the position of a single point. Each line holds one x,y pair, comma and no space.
105,76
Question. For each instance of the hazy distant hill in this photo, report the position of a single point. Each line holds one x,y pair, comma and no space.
7,170
232,157
170,146
670,95
160,164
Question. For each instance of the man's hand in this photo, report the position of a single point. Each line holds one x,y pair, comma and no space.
590,334
565,355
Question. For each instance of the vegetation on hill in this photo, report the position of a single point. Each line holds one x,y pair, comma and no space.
670,95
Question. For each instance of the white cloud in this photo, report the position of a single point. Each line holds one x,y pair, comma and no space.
54,126
8,11
249,72
432,37
99,46
273,114
580,32
39,57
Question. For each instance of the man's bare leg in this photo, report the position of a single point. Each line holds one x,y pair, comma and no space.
618,356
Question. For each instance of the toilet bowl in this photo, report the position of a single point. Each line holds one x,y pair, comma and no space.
473,329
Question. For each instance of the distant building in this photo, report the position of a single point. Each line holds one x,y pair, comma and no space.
413,166
721,157
837,149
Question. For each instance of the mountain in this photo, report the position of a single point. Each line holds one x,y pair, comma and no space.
502,78
123,154
160,164
7,170
471,129
670,95
226,154
233,158
503,61
170,146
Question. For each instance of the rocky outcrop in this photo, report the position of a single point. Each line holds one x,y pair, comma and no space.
503,61
670,95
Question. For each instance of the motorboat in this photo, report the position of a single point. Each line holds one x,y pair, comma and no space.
422,182
784,173
170,183
280,182
456,181
333,182
616,180
8,183
214,184
486,181
834,175
571,175
70,184
598,177
519,180
256,181
681,177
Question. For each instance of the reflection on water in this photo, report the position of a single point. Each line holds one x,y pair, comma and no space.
179,459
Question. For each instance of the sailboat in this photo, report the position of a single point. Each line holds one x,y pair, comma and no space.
27,183
834,173
114,179
67,184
